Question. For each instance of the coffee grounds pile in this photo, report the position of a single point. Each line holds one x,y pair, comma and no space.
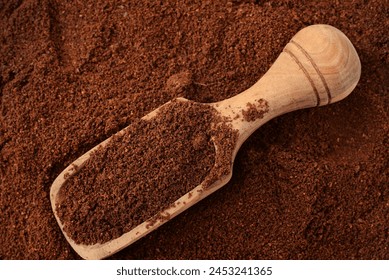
311,184
144,171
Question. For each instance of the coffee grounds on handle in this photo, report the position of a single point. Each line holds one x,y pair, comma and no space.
255,111
144,171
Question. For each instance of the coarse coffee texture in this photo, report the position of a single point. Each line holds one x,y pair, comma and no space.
311,184
255,111
144,170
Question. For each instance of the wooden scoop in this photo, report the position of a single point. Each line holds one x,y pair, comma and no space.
317,67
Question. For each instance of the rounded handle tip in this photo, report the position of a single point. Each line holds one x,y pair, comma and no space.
328,59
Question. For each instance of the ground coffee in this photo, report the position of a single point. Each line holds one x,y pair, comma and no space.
255,111
144,171
309,184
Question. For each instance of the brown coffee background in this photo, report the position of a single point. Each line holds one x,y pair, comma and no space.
310,184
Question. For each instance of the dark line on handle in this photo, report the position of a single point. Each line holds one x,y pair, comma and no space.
316,68
306,74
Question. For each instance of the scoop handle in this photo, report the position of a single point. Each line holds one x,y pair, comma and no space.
317,67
